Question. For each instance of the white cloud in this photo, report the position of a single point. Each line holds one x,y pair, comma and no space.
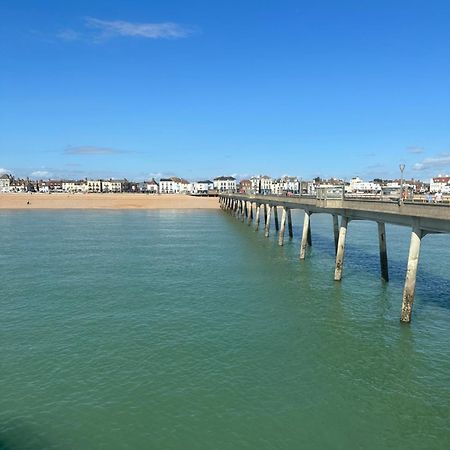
98,30
91,150
415,149
112,28
68,35
437,162
40,174
2,171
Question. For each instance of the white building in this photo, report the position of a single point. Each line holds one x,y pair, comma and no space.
286,184
202,187
73,186
18,185
173,185
112,185
185,186
357,185
225,184
5,182
168,186
152,187
262,184
94,185
440,183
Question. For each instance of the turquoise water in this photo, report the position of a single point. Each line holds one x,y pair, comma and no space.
188,330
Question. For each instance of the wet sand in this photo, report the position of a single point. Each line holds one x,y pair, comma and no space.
105,201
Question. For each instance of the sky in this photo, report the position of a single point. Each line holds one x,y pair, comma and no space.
198,89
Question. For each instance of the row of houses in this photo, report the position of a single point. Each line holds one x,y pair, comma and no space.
260,184
172,185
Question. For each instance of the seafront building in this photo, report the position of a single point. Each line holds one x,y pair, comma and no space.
202,187
286,185
262,184
358,186
225,184
4,183
112,185
151,187
73,186
173,185
440,184
245,187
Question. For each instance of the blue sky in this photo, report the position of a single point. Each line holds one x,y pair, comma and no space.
204,88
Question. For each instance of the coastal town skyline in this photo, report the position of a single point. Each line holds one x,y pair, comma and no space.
96,89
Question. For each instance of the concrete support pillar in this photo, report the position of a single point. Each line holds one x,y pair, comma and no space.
265,213
383,251
236,208
275,218
250,213
336,232
258,216
244,210
305,232
410,281
341,249
267,227
282,228
291,234
309,232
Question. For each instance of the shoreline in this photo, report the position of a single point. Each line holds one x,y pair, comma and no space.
27,201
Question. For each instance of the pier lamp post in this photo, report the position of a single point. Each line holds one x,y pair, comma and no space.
402,168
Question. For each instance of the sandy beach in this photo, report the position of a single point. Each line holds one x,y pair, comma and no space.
105,201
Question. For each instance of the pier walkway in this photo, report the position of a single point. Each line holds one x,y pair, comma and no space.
422,218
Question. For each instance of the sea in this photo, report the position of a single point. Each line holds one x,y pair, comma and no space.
175,329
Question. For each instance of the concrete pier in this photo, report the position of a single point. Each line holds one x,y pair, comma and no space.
267,227
383,251
250,213
289,217
258,216
309,232
411,273
305,233
341,249
275,218
423,218
282,228
336,232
